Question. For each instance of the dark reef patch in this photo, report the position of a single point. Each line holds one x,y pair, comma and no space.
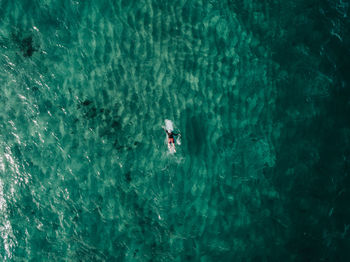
128,176
27,47
107,123
25,42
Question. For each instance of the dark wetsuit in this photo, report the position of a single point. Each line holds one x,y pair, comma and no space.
171,137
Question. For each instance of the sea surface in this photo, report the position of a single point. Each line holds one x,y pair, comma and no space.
259,90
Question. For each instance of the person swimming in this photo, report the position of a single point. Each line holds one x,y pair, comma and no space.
171,138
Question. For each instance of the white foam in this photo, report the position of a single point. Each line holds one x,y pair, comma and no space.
169,126
178,140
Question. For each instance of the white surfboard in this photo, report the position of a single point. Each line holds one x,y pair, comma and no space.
169,125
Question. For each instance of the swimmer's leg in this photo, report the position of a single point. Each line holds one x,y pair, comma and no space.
171,146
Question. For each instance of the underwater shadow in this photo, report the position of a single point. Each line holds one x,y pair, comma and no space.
195,134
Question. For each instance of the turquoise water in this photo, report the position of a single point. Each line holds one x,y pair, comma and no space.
258,89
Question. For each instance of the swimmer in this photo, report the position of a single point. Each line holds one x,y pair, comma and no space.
171,140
